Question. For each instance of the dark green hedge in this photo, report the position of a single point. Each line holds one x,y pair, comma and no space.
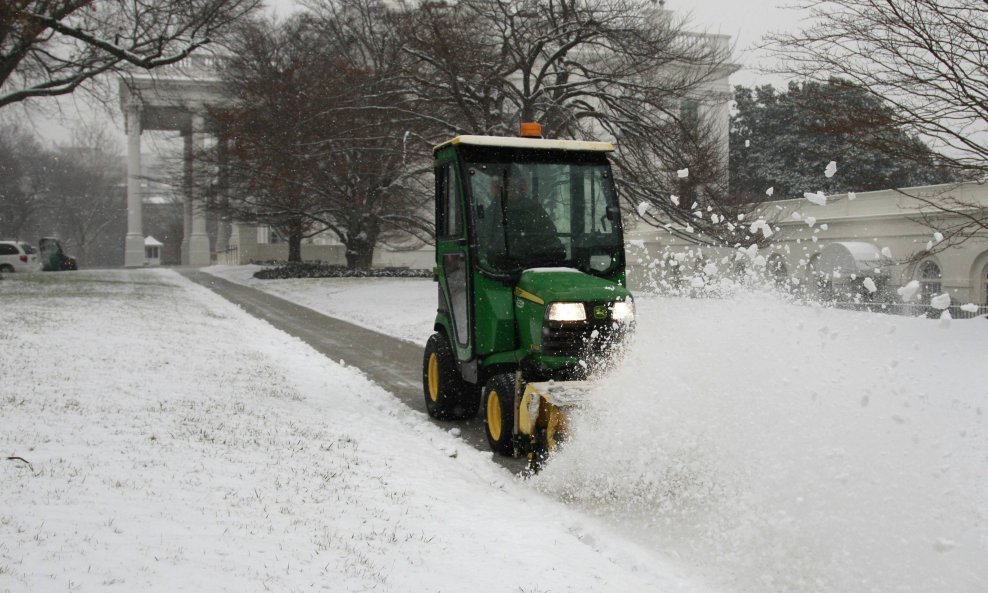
316,270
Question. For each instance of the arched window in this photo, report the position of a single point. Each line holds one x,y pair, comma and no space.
929,279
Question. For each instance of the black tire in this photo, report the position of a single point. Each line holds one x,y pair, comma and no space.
447,395
499,413
7,269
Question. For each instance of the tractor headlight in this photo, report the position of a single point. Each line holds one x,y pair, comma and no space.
567,312
623,311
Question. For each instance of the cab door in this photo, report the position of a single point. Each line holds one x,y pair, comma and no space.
452,258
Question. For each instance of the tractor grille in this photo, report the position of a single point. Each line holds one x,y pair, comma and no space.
581,338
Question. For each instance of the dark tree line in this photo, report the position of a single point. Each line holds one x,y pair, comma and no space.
785,139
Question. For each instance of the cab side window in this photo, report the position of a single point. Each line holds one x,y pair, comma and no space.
449,221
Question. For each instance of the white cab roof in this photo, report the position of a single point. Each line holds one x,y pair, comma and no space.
534,143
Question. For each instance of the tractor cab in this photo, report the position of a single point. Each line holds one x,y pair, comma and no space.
531,272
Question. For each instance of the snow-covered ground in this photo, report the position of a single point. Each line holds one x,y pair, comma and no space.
769,446
173,443
745,444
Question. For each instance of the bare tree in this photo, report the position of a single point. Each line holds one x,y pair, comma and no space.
320,134
585,69
925,59
51,48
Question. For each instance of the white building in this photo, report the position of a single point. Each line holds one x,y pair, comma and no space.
807,239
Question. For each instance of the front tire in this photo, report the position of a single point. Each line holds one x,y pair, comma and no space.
447,395
499,413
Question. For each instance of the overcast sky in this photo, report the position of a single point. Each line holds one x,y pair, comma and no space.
745,21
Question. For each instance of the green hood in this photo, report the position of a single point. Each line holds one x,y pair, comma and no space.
566,284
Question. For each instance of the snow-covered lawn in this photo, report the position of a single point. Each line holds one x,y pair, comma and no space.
744,445
768,446
177,444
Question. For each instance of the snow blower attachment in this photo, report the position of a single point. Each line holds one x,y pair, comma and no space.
532,290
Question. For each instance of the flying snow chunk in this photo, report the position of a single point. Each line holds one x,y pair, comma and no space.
938,236
697,282
818,198
887,252
674,199
811,220
796,216
831,169
760,225
908,292
643,208
969,308
945,318
941,301
751,251
683,172
711,269
870,285
689,228
851,195
770,191
747,143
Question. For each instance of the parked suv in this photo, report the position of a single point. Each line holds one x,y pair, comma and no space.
18,256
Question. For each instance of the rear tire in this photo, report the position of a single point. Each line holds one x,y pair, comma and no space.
447,395
7,269
499,413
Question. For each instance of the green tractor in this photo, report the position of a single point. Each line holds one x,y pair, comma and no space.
532,289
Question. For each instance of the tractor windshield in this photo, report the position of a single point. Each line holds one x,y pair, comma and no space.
544,208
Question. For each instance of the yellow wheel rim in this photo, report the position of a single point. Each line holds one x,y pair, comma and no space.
433,377
494,415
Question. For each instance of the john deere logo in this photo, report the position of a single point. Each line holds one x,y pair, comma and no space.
600,312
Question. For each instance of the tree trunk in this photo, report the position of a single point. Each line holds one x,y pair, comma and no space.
295,248
359,254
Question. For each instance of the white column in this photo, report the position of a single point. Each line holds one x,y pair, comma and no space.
187,189
199,251
134,242
222,224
